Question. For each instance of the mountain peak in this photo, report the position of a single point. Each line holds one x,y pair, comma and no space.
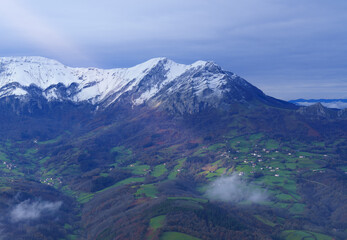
158,81
154,61
317,110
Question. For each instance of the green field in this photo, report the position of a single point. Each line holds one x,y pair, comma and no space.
122,155
265,221
84,197
138,168
124,182
177,236
200,200
271,144
157,222
159,170
216,146
276,164
284,197
297,208
174,172
130,180
304,235
3,156
149,190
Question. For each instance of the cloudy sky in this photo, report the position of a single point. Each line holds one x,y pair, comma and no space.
289,49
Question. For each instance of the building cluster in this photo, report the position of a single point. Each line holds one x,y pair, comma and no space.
9,166
52,181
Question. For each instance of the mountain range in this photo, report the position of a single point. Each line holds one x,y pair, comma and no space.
330,103
157,82
164,151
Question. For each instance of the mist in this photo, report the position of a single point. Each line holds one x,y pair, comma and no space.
31,210
336,104
234,189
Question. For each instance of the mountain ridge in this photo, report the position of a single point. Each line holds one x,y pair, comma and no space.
44,73
339,103
158,82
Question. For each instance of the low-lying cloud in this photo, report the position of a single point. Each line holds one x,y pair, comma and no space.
31,210
234,189
337,104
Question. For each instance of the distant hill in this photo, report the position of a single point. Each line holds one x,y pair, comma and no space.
330,103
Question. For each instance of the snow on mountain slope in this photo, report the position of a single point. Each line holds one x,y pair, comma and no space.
156,82
94,84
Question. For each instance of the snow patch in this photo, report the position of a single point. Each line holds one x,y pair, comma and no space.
19,92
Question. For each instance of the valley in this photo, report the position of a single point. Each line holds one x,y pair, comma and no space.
178,151
87,167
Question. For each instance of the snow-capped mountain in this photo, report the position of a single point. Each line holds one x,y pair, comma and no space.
156,82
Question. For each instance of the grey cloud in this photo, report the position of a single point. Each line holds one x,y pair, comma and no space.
263,41
31,210
338,104
234,189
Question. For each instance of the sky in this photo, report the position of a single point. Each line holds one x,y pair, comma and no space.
289,49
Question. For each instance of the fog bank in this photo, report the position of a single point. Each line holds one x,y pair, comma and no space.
234,189
30,210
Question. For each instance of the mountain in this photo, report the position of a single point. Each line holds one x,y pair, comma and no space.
158,82
318,110
330,103
164,151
